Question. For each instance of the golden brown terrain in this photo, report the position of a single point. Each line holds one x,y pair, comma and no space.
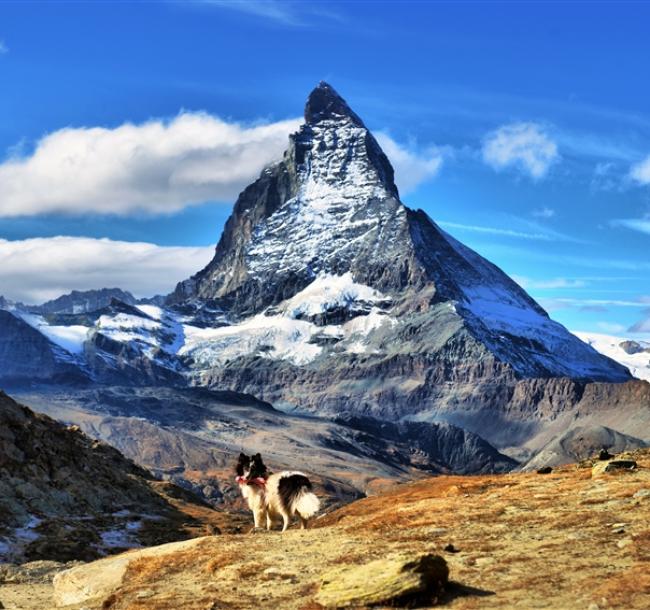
563,540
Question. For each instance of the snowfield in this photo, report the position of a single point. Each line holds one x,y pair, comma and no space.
639,364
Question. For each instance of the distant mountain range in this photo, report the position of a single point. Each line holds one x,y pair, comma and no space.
328,297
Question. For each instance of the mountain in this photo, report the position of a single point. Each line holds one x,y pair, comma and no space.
581,443
330,210
66,496
29,356
327,295
635,355
84,301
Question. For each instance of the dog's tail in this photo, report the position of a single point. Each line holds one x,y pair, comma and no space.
306,503
297,496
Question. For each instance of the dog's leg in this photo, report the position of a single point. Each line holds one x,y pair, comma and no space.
258,515
286,519
303,522
269,521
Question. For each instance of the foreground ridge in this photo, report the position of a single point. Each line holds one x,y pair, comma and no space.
514,541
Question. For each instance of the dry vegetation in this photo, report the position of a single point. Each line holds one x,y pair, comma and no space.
521,541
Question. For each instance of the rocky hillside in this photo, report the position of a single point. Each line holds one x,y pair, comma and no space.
189,436
575,538
65,496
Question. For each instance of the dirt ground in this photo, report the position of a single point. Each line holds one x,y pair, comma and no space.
562,540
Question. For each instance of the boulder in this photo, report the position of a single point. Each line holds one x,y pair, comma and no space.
93,582
612,466
384,581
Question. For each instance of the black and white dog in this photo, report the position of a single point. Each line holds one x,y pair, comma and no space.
275,496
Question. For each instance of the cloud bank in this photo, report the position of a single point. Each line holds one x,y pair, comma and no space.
524,146
159,167
156,167
39,269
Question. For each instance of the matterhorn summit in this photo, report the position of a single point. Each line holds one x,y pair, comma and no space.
328,218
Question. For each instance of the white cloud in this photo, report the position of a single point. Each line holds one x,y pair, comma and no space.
268,9
3,47
554,283
525,146
155,167
411,169
35,270
540,233
636,224
641,171
610,327
159,166
544,213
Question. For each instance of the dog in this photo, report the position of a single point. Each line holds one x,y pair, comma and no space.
275,496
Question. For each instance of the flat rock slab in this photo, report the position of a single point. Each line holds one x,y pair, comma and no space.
97,580
383,581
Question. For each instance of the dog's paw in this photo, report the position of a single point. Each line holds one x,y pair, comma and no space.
257,530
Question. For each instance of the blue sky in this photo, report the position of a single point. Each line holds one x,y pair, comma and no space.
523,128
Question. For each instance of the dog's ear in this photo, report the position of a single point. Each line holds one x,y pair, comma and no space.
242,457
257,457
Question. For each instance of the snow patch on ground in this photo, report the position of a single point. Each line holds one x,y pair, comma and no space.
13,546
122,538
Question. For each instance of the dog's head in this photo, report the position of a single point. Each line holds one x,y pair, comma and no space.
251,467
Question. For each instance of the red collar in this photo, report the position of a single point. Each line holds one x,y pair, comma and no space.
256,481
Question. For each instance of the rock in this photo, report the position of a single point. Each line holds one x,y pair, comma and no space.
605,455
642,493
96,581
612,466
450,548
545,470
383,581
33,572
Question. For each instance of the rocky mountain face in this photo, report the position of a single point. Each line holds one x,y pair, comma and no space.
66,496
28,356
330,209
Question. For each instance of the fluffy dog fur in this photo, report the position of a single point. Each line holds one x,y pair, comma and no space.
272,497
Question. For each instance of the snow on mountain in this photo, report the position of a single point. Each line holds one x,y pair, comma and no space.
288,331
70,338
328,292
638,362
